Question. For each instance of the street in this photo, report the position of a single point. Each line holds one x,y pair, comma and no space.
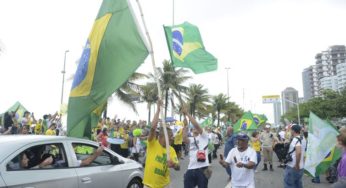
265,179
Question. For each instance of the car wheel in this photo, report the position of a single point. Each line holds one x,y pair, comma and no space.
135,183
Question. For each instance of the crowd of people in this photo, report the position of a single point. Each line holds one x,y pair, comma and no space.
146,144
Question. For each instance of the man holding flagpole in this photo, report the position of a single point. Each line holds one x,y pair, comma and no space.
156,173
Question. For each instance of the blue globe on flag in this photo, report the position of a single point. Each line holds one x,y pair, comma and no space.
256,120
244,125
178,41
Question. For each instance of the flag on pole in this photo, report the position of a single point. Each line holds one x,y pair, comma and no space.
245,123
331,158
259,119
207,122
114,50
187,50
321,141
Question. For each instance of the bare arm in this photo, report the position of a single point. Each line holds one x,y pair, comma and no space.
155,121
92,157
185,132
193,121
298,156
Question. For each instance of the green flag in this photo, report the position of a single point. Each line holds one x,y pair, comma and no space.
259,119
207,122
321,140
245,123
187,50
113,51
331,157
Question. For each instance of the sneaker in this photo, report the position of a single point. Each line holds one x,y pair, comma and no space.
315,180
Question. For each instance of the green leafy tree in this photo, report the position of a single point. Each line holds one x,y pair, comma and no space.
197,98
219,103
149,94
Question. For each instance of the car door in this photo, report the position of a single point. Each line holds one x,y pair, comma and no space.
103,172
55,175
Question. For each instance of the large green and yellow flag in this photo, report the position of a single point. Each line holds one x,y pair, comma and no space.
321,141
245,123
331,158
259,119
114,50
187,50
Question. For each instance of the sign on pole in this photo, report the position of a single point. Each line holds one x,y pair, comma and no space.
270,99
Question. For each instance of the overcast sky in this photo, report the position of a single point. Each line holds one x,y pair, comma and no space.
266,43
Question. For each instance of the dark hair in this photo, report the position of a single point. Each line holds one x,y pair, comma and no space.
254,134
26,112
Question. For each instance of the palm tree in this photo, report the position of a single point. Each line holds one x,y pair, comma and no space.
171,79
128,93
233,112
149,94
197,98
219,103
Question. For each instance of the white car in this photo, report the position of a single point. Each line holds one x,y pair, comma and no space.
107,170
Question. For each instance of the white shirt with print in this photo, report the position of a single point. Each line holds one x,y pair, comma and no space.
202,141
242,176
295,142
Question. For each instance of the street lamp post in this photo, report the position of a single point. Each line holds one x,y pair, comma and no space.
63,78
227,69
297,104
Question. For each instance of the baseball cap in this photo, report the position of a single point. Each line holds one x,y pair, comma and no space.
267,126
242,136
296,128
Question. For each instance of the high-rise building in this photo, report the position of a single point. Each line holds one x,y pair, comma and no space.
341,74
329,82
277,113
311,86
321,75
289,99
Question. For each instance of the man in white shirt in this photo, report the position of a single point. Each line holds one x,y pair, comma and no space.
295,167
197,173
242,161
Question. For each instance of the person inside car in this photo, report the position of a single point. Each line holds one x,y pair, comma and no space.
23,162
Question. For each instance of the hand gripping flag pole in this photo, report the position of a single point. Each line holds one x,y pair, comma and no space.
156,78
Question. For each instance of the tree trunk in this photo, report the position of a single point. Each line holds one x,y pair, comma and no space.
149,113
166,102
218,117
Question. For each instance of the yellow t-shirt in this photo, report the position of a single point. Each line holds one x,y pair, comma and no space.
178,139
256,145
156,173
38,128
125,145
50,132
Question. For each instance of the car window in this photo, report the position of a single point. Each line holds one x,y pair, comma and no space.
43,156
84,151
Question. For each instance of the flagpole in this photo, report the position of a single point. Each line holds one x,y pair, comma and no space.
155,76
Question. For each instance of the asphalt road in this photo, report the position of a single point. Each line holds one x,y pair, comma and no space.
219,179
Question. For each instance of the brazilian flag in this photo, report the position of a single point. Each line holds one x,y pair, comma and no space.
207,122
259,119
245,123
187,50
113,51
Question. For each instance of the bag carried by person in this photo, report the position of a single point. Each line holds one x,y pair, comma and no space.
288,157
201,156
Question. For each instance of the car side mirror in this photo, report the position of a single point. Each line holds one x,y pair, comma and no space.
116,161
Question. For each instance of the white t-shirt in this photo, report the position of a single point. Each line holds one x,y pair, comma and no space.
282,135
242,176
295,142
202,142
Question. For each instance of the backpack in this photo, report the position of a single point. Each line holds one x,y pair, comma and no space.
288,153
